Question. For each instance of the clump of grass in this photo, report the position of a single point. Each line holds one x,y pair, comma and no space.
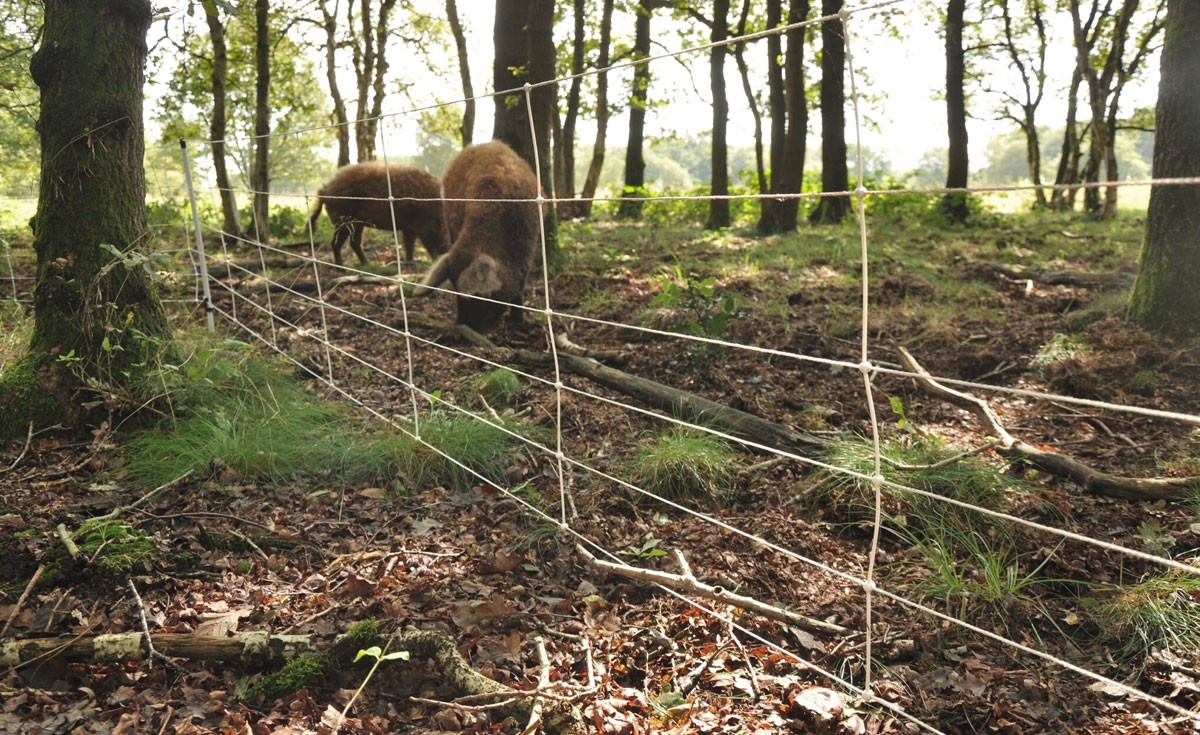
685,462
1161,612
231,406
479,448
497,386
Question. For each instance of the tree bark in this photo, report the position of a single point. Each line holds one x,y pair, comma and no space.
511,44
341,124
260,180
635,158
97,318
564,139
378,91
229,209
718,209
834,173
1165,297
1033,80
466,131
789,122
543,98
739,54
592,181
954,204
1063,199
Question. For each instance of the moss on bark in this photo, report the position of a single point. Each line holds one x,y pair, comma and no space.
98,322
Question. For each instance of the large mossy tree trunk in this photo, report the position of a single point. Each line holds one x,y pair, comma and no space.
97,319
1166,297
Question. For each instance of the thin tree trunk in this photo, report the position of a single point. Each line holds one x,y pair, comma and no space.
1063,199
564,139
834,174
592,181
954,204
229,209
718,209
466,131
635,160
789,128
739,53
378,91
542,98
341,125
261,181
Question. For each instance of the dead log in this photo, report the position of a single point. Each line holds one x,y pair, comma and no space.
1060,465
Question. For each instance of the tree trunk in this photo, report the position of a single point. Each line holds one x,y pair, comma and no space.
564,139
718,209
97,318
789,126
1062,199
216,31
635,160
378,91
511,43
739,53
592,181
467,130
954,204
834,174
260,180
1033,80
1165,297
341,125
543,99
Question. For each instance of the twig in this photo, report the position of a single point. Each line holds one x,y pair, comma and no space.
1091,480
21,456
144,499
65,536
535,715
688,584
37,574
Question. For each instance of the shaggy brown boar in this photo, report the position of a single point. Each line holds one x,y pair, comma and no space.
493,221
356,198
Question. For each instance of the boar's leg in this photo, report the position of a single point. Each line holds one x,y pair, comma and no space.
356,241
437,275
341,231
410,241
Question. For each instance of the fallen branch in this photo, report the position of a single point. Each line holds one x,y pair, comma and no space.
1091,480
262,650
688,584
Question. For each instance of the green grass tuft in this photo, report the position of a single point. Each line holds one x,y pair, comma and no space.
478,446
497,386
233,407
685,462
1161,612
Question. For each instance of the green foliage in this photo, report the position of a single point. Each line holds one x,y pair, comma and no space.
476,446
302,672
706,311
1160,612
15,329
497,386
114,548
648,550
19,143
1061,347
230,406
684,462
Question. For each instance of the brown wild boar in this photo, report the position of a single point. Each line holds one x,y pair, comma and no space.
356,198
494,231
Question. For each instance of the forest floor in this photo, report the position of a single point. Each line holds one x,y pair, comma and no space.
474,564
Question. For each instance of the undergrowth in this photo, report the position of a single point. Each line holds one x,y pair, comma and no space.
226,405
684,462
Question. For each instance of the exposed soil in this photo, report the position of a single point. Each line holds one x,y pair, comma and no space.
478,566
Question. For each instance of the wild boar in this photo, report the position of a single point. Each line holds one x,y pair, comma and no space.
357,198
492,216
